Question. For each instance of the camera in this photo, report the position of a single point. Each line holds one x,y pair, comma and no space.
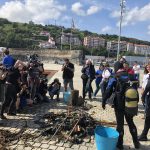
32,58
4,69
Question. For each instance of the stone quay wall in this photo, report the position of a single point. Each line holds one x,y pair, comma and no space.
75,56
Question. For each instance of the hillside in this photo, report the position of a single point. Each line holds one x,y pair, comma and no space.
23,35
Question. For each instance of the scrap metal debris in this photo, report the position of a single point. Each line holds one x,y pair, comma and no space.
6,137
74,126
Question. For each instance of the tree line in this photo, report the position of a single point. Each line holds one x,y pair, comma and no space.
26,35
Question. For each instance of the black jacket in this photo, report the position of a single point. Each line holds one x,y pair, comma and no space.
146,96
91,71
118,65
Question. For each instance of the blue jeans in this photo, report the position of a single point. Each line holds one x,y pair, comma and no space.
70,82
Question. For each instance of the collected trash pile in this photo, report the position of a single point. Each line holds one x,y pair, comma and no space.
6,137
74,127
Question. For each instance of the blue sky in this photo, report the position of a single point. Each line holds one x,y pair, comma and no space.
100,16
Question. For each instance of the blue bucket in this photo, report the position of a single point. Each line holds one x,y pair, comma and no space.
106,138
67,97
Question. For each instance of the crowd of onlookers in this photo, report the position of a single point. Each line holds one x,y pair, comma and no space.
117,82
23,84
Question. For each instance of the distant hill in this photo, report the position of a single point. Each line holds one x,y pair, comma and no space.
27,35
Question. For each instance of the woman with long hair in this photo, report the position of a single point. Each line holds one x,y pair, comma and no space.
146,102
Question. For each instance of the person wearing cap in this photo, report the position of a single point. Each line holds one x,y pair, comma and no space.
68,74
8,61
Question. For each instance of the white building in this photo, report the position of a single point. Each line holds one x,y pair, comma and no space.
69,38
48,44
112,46
130,47
142,49
94,42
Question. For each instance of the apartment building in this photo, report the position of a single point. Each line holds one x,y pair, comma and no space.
67,38
142,49
130,47
112,46
94,42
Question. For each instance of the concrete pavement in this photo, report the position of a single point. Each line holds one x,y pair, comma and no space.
40,143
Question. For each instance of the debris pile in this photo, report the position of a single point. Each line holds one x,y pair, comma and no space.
75,127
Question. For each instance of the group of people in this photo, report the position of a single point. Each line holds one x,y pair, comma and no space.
119,86
24,84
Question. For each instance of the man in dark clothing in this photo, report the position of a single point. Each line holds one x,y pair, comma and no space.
3,73
118,85
146,100
34,73
119,64
68,74
11,90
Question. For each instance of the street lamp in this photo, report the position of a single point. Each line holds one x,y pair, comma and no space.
122,5
61,39
71,40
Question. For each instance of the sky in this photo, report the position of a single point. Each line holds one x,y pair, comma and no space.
99,16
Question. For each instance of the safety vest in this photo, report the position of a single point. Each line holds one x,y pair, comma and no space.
131,101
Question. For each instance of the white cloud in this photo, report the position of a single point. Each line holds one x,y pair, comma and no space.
78,9
66,18
38,11
134,15
106,29
92,10
148,30
115,14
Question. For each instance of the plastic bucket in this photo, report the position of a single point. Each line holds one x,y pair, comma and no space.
106,138
67,97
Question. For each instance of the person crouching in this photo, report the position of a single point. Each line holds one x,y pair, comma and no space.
54,89
23,98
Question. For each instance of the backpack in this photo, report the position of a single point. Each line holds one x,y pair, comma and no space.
127,95
121,86
131,101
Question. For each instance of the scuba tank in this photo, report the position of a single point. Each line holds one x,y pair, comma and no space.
131,101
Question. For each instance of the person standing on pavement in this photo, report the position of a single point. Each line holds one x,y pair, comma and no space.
146,101
8,61
119,64
118,85
68,74
136,69
3,74
11,89
105,77
98,79
88,75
